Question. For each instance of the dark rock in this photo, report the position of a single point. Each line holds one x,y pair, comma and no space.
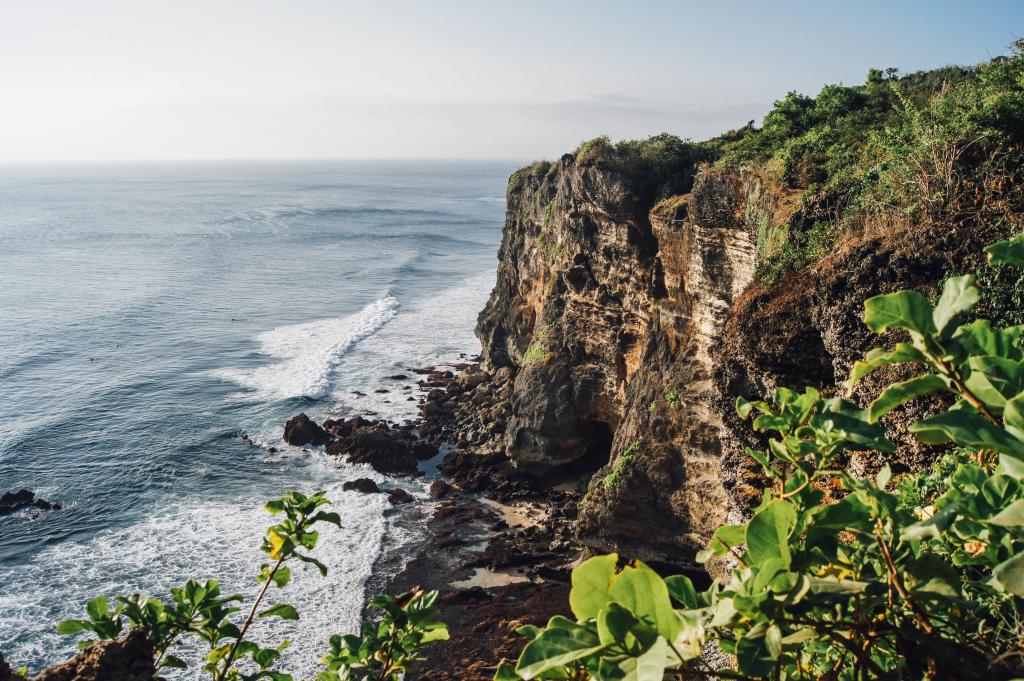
364,485
422,370
439,488
397,377
301,431
399,496
127,659
15,501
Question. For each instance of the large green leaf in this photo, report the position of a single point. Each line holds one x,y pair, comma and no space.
901,310
644,593
959,294
902,392
1010,574
879,357
1007,252
768,533
556,646
590,584
1013,416
614,623
969,429
994,379
680,588
649,665
1011,516
979,338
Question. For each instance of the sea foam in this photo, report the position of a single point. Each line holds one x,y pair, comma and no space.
303,356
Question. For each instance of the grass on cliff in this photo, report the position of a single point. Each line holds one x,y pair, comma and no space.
895,152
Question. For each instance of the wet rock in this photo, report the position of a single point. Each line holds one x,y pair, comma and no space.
439,488
16,501
301,431
363,485
399,496
397,377
127,659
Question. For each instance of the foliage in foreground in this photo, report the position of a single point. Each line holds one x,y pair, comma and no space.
919,580
198,610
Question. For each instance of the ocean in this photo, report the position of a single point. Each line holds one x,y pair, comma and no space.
158,325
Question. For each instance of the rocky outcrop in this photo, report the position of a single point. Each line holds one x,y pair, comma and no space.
22,499
301,431
127,659
623,331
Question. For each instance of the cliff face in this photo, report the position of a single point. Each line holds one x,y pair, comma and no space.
627,329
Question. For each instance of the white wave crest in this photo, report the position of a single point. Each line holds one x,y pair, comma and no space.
305,355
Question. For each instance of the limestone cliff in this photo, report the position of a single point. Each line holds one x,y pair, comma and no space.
625,329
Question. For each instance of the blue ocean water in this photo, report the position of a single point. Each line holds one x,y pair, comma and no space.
149,314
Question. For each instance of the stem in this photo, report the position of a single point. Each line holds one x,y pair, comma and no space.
897,583
248,620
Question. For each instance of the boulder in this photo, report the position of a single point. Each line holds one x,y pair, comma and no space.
399,496
439,488
126,659
301,431
363,485
15,501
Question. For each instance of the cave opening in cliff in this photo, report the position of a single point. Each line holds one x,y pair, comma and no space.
598,451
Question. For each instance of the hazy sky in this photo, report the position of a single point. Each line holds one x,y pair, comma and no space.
210,79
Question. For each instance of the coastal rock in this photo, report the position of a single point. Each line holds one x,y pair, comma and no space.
621,330
439,488
362,485
127,659
16,501
301,431
387,450
399,496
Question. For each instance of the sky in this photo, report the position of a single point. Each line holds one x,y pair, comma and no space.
136,80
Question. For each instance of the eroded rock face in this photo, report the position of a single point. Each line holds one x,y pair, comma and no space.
127,659
302,430
626,331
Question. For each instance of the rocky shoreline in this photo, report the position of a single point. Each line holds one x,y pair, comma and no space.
499,544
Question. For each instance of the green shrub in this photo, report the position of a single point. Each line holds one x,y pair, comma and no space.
925,581
198,610
535,354
624,462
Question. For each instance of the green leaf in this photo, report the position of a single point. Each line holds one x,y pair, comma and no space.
680,588
773,641
555,647
644,593
995,380
979,338
614,623
901,310
173,662
901,393
1010,574
282,576
274,506
879,357
649,665
327,517
969,429
309,559
506,671
590,584
1013,416
752,656
436,631
1011,516
931,528
959,294
1007,252
71,627
98,609
726,537
768,533
832,585
282,610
